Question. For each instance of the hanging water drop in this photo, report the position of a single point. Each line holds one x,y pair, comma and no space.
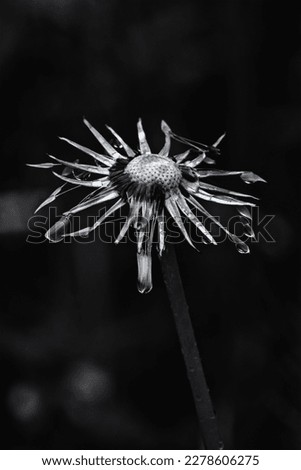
249,232
245,212
209,160
242,248
250,177
244,221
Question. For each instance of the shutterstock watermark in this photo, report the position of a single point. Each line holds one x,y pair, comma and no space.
253,231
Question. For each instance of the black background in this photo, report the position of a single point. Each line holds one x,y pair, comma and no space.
87,361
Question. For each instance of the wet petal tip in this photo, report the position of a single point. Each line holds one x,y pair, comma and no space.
242,248
57,232
144,282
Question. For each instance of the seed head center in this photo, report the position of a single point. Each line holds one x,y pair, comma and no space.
154,169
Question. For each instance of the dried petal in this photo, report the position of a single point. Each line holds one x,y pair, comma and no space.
144,147
208,173
181,156
91,184
108,147
196,161
42,165
86,168
166,148
161,233
211,187
100,198
219,140
100,158
51,198
57,232
188,212
85,231
128,149
144,262
171,206
250,177
222,199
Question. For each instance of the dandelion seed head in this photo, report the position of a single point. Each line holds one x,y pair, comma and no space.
152,186
154,169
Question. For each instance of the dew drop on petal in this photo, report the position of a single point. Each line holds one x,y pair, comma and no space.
209,161
245,212
67,170
250,177
144,282
244,221
249,231
242,248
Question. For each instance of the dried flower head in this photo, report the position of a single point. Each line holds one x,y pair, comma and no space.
150,185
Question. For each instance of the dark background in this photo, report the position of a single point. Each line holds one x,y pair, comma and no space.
86,361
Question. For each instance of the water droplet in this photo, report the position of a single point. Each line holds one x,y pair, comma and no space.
68,171
250,177
210,161
244,221
244,211
242,248
249,231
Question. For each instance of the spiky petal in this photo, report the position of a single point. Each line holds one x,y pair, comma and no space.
128,149
167,131
100,183
144,147
108,147
97,156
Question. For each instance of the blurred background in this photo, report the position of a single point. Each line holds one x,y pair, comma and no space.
86,361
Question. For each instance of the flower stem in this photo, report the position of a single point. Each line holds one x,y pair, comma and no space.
195,372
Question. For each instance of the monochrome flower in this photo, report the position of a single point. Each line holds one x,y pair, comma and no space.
152,186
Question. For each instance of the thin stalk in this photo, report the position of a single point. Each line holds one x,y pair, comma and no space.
175,291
